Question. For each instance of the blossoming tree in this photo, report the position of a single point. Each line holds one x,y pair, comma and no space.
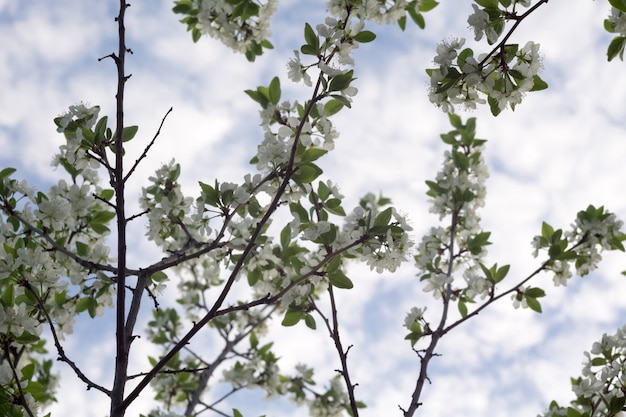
278,243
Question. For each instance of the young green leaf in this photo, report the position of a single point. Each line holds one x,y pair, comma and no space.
340,280
129,132
311,38
292,318
365,36
274,90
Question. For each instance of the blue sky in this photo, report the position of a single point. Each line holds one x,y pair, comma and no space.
561,150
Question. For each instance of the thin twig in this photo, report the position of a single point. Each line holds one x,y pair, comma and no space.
62,356
429,353
89,265
20,390
510,32
145,151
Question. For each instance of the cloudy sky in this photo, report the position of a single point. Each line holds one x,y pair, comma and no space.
561,150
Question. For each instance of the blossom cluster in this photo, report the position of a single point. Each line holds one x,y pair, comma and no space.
601,388
73,155
617,21
458,192
594,230
390,249
503,77
47,241
167,210
243,26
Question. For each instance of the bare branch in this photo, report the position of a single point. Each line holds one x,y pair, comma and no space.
145,151
62,356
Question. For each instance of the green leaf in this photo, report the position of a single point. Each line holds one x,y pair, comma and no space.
616,405
462,308
598,361
99,228
102,217
211,194
616,47
159,276
332,107
237,413
455,120
99,130
383,218
82,249
285,236
572,412
7,295
340,280
308,50
534,292
297,210
328,238
6,172
28,371
309,320
129,132
428,5
538,84
334,264
254,276
274,90
463,55
365,36
182,7
475,244
27,338
341,81
292,318
107,194
501,273
257,96
494,106
306,173
546,230
195,35
88,304
311,38
417,17
322,191
312,154
402,23
333,205
619,4
533,304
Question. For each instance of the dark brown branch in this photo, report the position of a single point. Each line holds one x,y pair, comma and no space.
89,265
145,151
62,356
122,337
506,37
439,332
289,171
343,354
20,390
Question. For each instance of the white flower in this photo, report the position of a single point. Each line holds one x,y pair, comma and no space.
479,21
617,20
415,314
447,53
296,71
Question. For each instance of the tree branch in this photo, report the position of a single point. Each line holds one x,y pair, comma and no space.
122,341
62,356
145,151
